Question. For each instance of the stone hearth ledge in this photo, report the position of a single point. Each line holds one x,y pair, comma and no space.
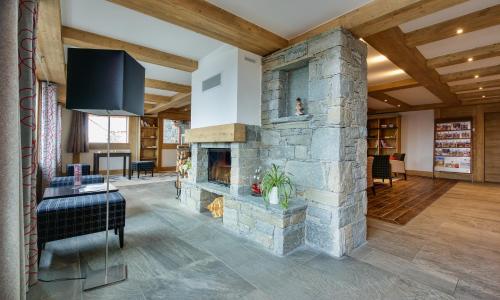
276,229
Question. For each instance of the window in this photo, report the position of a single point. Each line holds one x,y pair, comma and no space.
170,132
98,129
173,131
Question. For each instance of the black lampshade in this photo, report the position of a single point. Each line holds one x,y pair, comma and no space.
104,82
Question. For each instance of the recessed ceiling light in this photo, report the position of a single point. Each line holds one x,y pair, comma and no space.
483,96
460,31
480,87
385,100
476,76
399,105
470,59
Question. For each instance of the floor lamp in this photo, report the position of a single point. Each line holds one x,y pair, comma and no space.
108,83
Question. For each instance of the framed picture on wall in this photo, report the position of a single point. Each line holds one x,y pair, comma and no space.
453,146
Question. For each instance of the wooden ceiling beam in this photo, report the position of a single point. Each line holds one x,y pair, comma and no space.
157,98
464,56
474,21
388,99
470,74
391,86
486,100
411,108
391,44
167,86
83,39
207,19
49,43
379,15
479,95
475,86
176,100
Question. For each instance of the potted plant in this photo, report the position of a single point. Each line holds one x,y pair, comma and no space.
276,187
185,167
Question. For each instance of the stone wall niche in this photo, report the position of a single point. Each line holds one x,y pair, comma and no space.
325,151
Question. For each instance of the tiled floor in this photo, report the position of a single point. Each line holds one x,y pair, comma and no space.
175,254
406,198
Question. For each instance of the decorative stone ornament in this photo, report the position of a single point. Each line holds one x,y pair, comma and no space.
299,109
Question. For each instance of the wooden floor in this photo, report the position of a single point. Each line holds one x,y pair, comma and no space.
406,198
453,245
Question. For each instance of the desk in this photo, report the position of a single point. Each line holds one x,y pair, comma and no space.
98,155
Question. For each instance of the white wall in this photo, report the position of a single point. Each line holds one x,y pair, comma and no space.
168,157
236,99
217,105
417,138
249,88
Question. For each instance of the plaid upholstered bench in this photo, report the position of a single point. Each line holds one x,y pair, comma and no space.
68,180
62,218
70,169
143,165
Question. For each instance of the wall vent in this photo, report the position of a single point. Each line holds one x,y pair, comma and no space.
211,82
250,59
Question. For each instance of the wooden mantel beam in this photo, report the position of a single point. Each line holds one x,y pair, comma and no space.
391,43
471,22
205,18
49,43
80,38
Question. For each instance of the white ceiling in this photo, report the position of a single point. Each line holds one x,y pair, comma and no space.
377,104
447,14
461,42
288,18
105,18
381,70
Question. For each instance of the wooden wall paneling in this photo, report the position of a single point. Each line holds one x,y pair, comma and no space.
492,147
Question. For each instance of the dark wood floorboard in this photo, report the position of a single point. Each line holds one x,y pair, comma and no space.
406,198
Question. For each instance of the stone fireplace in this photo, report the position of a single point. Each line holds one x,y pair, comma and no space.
219,166
323,150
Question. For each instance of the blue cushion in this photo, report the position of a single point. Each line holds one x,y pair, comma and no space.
68,180
61,218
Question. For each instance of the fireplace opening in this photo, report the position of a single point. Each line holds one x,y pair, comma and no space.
219,166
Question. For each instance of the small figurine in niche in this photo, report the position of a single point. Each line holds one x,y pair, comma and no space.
299,109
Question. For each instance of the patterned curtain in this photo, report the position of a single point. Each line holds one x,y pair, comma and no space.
50,133
27,17
79,135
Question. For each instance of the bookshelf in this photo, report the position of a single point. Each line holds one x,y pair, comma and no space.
149,139
384,135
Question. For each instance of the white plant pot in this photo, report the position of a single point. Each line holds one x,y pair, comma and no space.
273,196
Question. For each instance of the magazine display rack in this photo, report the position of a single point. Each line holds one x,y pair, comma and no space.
453,146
